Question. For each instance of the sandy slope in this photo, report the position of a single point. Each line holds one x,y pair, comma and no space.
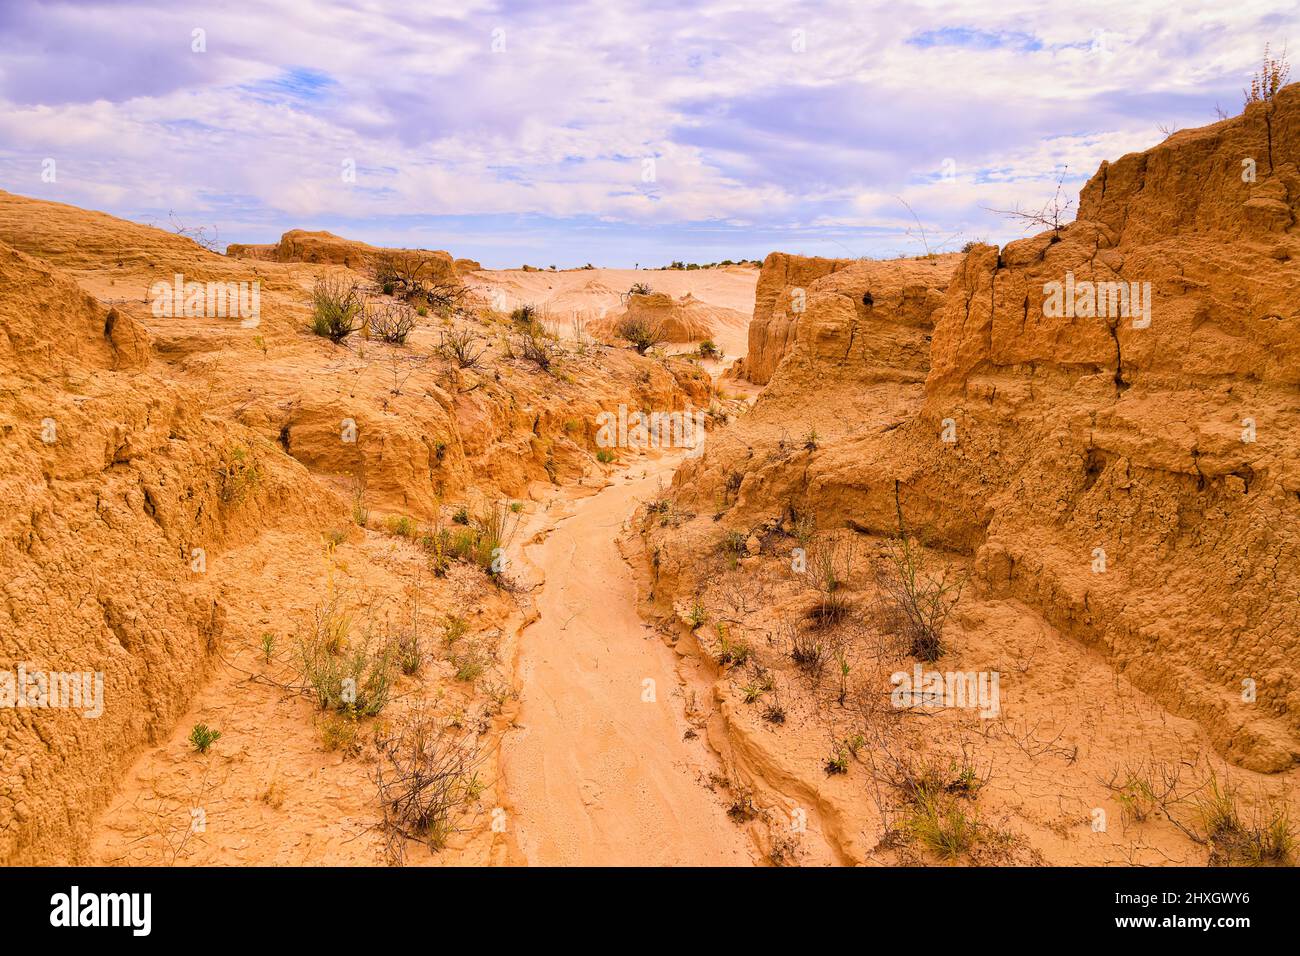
594,775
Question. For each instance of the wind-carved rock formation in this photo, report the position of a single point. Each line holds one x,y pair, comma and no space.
1133,478
325,248
777,310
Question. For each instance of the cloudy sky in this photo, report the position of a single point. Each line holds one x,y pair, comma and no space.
612,132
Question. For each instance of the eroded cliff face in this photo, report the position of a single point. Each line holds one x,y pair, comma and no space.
117,490
1135,482
777,310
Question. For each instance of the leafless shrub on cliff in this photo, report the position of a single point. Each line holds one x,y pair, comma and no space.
921,235
643,333
1271,77
337,306
209,237
427,774
1053,215
393,322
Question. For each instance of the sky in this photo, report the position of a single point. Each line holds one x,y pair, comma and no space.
614,133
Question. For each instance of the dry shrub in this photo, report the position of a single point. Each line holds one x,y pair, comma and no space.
830,564
1272,76
461,347
915,601
427,775
409,275
809,648
393,322
643,333
538,347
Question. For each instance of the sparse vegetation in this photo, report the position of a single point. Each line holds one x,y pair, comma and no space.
393,322
537,346
340,674
239,475
203,737
461,347
337,306
643,333
1264,838
1271,77
413,276
426,774
916,601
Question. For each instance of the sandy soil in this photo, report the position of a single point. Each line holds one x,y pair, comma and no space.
596,773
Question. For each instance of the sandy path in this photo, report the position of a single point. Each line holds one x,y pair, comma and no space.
594,775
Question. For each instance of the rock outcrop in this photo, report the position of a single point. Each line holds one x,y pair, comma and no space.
325,248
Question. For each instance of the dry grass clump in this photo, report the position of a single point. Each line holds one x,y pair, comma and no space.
809,648
936,794
337,305
239,475
427,774
830,564
344,675
1265,838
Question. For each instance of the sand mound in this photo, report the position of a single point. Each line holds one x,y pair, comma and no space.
724,296
686,319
